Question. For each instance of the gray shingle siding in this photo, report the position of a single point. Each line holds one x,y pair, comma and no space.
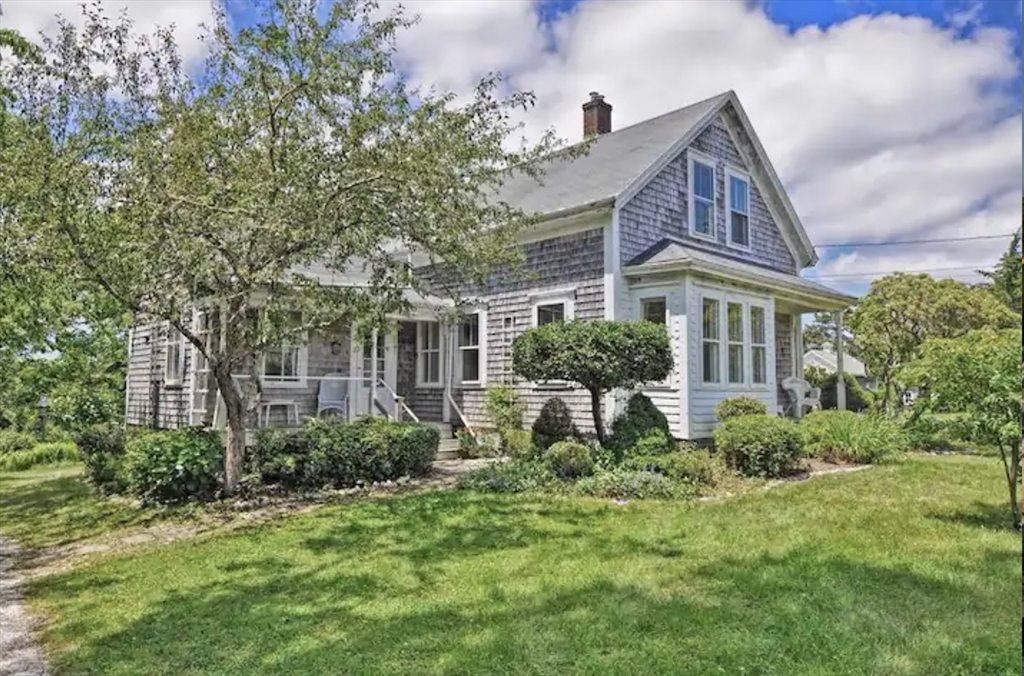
660,209
783,354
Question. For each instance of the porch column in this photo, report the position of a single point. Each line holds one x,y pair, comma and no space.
373,373
798,355
446,334
840,379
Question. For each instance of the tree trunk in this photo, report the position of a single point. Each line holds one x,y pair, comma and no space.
595,407
234,440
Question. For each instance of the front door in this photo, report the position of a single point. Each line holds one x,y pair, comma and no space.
362,402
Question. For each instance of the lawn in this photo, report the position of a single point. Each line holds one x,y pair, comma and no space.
900,569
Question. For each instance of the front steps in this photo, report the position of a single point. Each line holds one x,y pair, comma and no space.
448,449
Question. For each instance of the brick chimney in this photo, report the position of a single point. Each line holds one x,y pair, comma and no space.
597,116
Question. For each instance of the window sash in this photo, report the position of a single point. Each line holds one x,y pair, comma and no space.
174,367
429,357
655,310
470,349
551,313
736,335
710,335
702,192
739,210
758,346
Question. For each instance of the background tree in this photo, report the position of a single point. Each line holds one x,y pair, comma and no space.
297,141
1005,279
599,355
978,375
901,311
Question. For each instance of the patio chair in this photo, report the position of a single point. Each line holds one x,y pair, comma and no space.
333,395
802,394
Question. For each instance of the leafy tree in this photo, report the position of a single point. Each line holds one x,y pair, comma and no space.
599,355
1005,280
815,375
979,375
901,311
296,142
821,333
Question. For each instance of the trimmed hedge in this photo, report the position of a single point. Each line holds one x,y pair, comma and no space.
327,453
101,449
174,465
850,437
759,445
569,460
737,406
41,454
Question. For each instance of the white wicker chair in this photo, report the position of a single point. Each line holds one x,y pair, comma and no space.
333,395
801,394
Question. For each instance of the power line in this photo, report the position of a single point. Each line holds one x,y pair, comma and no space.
877,273
937,240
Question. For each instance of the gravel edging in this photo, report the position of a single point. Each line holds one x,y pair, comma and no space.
19,654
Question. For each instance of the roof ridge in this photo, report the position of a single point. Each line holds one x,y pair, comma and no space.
664,115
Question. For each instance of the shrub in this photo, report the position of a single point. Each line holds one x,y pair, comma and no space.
40,454
599,355
503,407
278,456
12,441
639,419
759,445
569,460
857,398
627,483
655,442
518,443
554,424
510,476
695,466
737,406
101,449
850,437
927,431
174,465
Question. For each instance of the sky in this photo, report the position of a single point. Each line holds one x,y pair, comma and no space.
886,120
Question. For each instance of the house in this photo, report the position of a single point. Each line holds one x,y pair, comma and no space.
826,359
680,220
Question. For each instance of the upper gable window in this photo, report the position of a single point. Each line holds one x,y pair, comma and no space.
702,197
738,201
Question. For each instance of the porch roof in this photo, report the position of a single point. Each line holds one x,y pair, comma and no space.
357,277
671,255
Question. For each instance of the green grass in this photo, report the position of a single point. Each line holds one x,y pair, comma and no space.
902,569
47,506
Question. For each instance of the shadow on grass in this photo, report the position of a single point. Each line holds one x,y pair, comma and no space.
395,588
979,515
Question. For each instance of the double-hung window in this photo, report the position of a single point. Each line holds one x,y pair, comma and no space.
428,367
284,363
702,196
553,307
734,340
174,366
738,206
471,349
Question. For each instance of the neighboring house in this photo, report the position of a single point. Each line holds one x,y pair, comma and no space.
680,220
826,359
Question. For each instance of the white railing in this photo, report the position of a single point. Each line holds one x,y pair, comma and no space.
458,412
401,408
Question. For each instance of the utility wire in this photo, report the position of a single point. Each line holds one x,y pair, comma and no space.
916,241
875,273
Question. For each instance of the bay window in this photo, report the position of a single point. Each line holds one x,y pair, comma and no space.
734,320
710,361
734,340
758,346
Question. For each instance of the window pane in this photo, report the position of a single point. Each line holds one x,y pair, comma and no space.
739,229
548,314
433,362
757,336
703,181
760,359
433,335
272,364
290,362
738,195
710,362
654,310
702,217
469,335
735,363
735,313
471,365
710,323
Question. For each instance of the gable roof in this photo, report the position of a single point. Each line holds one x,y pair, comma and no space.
827,360
621,162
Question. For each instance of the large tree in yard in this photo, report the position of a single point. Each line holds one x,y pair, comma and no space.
599,355
170,187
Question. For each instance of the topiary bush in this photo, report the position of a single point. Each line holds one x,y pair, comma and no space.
846,436
554,424
511,476
759,445
857,398
627,483
49,453
737,406
102,450
12,441
174,465
640,419
569,460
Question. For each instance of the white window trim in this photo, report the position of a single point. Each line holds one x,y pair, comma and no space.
420,361
482,352
691,157
567,297
764,319
731,173
658,294
748,384
174,337
302,342
743,342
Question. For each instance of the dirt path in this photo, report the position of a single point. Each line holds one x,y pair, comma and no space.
19,655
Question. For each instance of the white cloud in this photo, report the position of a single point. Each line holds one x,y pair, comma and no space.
32,17
882,128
